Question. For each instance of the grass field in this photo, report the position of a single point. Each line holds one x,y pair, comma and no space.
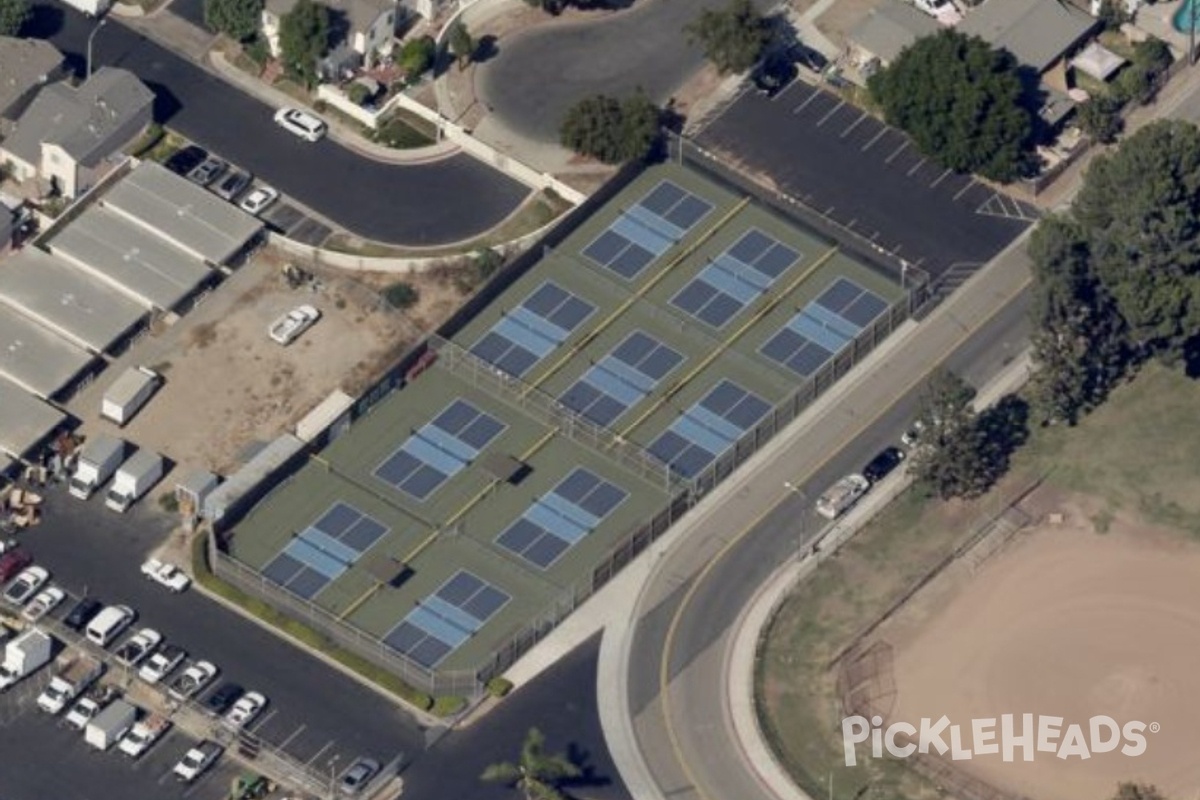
1137,456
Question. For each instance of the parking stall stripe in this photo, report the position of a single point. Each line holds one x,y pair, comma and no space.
830,113
804,105
916,167
896,152
283,745
854,125
317,754
940,178
882,132
964,190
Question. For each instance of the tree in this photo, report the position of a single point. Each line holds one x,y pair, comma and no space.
401,295
462,45
733,38
13,16
537,774
304,39
1100,118
1112,14
1137,791
952,459
611,130
962,102
417,57
238,19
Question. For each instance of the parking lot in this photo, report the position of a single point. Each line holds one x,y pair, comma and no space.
316,715
843,163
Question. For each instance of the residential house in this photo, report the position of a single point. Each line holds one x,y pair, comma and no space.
1038,33
361,31
68,135
26,65
885,32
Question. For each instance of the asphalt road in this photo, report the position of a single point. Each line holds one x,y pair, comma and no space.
445,201
317,713
536,76
696,658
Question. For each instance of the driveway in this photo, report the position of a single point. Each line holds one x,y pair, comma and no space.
438,203
536,76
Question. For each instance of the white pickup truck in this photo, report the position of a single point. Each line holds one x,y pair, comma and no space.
143,735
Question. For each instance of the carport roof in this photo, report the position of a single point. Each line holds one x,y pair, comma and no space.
889,29
131,257
35,357
66,299
191,217
24,419
1036,32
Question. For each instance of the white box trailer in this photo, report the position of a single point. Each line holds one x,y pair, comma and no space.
128,393
135,477
98,460
110,724
92,8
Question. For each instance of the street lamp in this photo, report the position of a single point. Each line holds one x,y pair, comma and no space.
332,763
91,36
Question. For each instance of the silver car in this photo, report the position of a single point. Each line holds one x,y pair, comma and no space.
208,171
233,185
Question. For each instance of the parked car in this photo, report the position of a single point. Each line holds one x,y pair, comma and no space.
138,647
233,185
26,585
208,171
841,497
13,562
197,760
301,123
46,601
258,200
82,612
162,663
358,776
883,464
106,626
193,680
244,711
165,574
774,73
291,325
186,159
91,704
225,696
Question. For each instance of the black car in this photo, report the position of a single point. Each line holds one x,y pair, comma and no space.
186,159
774,73
81,614
883,464
220,701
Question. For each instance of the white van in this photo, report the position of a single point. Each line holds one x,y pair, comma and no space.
301,123
108,624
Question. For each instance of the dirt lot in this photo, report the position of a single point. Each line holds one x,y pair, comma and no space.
1069,623
229,386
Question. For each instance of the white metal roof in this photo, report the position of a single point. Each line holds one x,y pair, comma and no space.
36,358
24,419
66,299
189,216
130,257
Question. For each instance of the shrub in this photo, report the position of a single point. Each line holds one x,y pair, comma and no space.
358,94
499,687
401,295
448,706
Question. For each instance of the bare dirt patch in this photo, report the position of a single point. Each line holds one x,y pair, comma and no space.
1071,623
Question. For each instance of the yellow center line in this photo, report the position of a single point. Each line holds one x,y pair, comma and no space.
772,302
591,335
664,672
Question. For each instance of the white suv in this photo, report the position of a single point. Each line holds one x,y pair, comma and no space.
301,123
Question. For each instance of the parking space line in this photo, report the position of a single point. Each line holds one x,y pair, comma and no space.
317,754
804,105
854,125
830,113
283,745
874,139
940,178
964,190
261,721
896,152
916,167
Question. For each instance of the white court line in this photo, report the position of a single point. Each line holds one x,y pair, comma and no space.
854,125
919,164
896,152
804,105
830,113
874,139
940,178
964,190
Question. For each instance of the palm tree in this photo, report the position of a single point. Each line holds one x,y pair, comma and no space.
537,774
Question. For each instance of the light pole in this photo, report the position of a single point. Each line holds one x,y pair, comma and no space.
332,763
91,36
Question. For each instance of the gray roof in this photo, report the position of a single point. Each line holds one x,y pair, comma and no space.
35,358
130,257
66,299
360,14
226,498
890,28
24,64
1036,32
81,120
24,419
191,217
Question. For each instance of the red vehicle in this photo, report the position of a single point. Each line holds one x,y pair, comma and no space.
13,562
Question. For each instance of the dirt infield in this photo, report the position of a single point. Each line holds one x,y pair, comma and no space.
1066,622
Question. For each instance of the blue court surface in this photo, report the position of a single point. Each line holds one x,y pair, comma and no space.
621,379
735,278
647,229
445,619
709,428
324,550
439,450
556,521
528,333
823,327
